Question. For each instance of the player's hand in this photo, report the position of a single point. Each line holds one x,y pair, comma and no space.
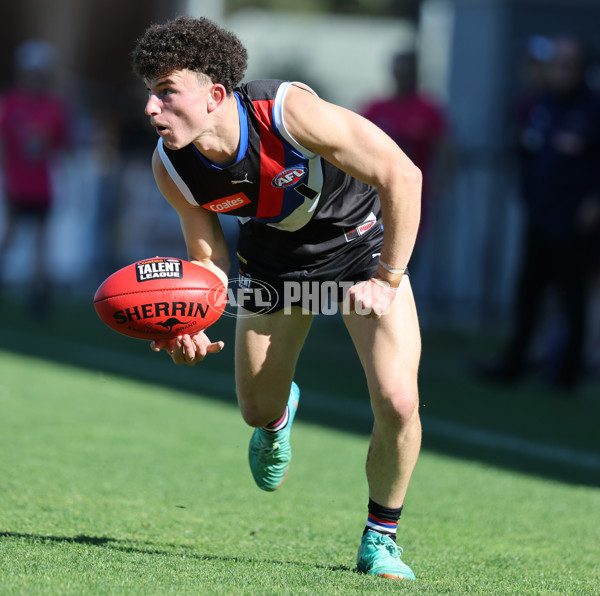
372,298
188,349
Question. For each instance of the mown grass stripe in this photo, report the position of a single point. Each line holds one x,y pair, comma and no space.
212,380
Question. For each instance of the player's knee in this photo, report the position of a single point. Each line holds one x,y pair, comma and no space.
397,406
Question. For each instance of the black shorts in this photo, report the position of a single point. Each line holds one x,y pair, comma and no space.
316,289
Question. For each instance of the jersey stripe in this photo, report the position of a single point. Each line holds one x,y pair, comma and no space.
181,185
272,156
279,121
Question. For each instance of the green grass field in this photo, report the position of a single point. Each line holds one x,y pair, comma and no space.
122,474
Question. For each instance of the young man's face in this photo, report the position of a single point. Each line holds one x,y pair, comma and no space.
177,106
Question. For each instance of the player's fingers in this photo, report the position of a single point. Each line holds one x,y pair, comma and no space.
202,344
177,351
158,344
215,347
189,350
359,301
162,344
199,341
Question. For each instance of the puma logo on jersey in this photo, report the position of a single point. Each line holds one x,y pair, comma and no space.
242,181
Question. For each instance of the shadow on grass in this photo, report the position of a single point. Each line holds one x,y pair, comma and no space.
148,548
541,428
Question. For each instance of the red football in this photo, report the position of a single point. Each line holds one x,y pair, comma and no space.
160,298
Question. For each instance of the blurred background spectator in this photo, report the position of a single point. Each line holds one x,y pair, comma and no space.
418,124
559,161
33,129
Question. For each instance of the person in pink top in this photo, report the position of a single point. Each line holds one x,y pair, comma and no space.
33,128
415,122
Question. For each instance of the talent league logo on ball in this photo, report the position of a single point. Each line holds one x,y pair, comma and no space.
289,177
158,269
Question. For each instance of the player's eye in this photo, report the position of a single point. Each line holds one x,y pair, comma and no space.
160,92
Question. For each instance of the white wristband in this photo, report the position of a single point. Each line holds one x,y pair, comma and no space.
392,269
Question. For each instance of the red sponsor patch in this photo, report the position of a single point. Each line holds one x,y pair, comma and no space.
360,229
364,227
227,203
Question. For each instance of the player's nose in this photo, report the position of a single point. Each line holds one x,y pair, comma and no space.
152,105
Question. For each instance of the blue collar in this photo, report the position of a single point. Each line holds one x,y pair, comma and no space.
243,115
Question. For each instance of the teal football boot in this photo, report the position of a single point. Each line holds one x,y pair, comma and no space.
380,555
270,453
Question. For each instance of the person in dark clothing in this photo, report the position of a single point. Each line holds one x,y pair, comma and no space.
559,160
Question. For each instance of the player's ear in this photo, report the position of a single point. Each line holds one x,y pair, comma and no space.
218,94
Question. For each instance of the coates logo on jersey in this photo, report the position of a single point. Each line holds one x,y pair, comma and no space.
289,177
227,203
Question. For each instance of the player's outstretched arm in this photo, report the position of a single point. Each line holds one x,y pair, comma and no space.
364,151
358,147
188,349
206,246
202,232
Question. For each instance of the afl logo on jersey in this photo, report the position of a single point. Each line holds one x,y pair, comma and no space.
289,177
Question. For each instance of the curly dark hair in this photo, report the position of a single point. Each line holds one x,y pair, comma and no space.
194,44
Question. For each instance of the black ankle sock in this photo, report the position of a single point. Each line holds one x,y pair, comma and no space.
383,520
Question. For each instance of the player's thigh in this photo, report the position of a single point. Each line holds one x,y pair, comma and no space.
266,352
389,349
